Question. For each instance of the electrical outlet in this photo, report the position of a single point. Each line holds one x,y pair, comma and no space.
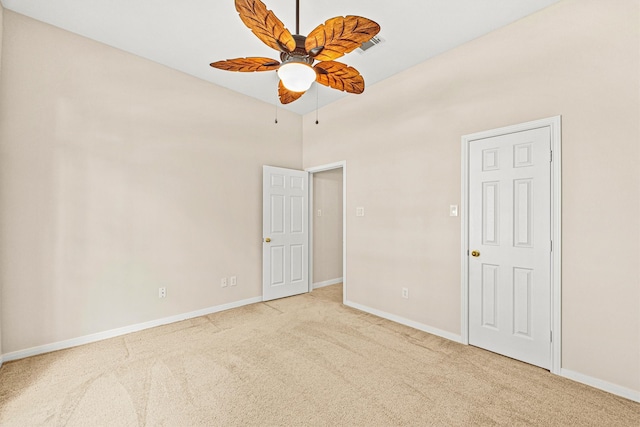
360,211
405,293
319,212
162,292
232,280
223,282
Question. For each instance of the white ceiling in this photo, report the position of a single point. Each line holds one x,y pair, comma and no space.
187,35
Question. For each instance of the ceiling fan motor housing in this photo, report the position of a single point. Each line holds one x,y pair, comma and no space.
299,54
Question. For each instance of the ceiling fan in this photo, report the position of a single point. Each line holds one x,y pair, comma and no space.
327,42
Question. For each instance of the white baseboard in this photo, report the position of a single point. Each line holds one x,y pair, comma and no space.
627,393
327,283
403,321
60,345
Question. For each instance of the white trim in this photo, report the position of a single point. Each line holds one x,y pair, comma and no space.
627,393
404,321
327,167
464,244
327,283
556,236
322,168
87,339
554,123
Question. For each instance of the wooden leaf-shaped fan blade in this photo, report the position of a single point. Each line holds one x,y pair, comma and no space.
339,76
265,25
247,64
340,35
287,96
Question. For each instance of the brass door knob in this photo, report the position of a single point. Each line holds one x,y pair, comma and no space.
268,239
475,254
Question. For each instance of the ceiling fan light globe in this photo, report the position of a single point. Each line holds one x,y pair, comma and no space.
296,76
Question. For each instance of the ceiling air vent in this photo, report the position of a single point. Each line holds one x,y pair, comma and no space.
375,40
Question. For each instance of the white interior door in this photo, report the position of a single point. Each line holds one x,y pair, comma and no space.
510,245
285,228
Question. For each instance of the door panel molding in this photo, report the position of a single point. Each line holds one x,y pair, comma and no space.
520,158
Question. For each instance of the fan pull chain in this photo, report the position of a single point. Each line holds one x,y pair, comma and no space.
317,96
276,121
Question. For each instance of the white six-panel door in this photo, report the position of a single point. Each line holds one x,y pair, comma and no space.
285,247
510,245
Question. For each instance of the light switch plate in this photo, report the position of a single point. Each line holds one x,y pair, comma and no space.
453,210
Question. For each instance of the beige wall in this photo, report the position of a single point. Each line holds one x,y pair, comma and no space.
119,176
327,229
401,141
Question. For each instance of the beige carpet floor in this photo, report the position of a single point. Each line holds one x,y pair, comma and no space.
300,361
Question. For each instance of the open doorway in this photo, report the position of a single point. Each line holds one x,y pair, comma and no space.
327,225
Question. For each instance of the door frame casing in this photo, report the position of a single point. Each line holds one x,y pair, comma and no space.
323,168
554,124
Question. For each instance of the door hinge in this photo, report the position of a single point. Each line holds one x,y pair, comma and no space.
550,156
551,246
551,336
